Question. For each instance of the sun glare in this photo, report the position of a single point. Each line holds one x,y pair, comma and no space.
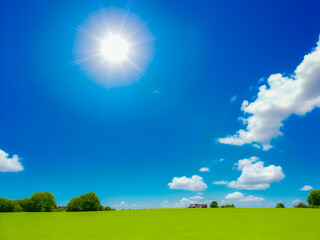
114,48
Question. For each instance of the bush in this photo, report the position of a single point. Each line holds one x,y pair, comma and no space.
85,202
39,202
301,205
314,198
9,205
213,204
109,209
228,206
280,205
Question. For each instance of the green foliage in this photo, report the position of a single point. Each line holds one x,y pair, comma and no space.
109,209
39,202
314,198
301,205
228,206
213,204
280,205
9,205
85,202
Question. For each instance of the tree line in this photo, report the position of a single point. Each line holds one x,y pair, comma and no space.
313,200
44,202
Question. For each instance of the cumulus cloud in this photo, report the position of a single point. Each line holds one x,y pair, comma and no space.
195,183
297,94
252,199
306,188
254,175
204,169
164,204
235,195
9,164
238,197
184,202
197,198
295,202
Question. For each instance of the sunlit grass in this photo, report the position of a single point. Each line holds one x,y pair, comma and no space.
245,223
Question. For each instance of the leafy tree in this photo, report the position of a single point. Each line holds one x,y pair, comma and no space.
228,206
85,202
9,205
314,198
280,205
109,209
39,202
301,205
213,204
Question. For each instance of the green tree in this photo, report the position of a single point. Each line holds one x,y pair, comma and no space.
9,205
213,204
228,206
280,205
39,202
314,198
301,205
85,202
109,209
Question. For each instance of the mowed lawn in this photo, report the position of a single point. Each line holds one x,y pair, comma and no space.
239,223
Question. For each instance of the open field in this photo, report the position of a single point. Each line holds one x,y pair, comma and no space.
239,223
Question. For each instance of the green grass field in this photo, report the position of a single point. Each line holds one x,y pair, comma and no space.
239,223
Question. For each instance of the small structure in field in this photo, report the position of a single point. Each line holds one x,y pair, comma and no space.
198,206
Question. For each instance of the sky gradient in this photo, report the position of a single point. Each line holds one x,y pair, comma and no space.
128,142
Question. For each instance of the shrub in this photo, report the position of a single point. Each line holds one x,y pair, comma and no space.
109,209
301,205
228,206
280,205
314,198
85,202
39,202
213,204
9,205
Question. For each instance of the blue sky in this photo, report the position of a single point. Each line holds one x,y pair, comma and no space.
127,142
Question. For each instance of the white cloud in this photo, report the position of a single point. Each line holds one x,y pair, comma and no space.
9,164
238,197
284,95
196,198
233,99
184,202
295,202
306,188
254,175
251,199
220,182
164,204
220,160
204,169
200,193
195,183
235,195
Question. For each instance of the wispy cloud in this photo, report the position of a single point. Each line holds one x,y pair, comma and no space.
204,169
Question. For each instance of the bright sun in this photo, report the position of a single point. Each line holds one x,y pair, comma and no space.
115,48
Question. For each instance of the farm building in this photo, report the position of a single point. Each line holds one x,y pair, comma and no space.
198,206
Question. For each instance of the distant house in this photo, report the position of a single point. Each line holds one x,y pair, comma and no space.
198,206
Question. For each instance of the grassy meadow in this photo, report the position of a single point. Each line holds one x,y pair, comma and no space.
151,224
